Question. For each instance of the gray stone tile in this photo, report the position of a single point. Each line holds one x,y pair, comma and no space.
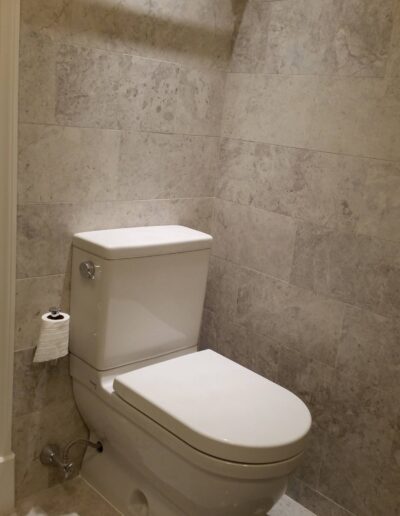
322,188
195,35
199,103
40,384
315,501
147,95
37,79
45,230
88,82
222,288
254,238
369,349
34,297
314,37
321,113
352,268
342,192
296,318
50,18
272,109
288,507
67,164
74,496
166,166
57,423
123,26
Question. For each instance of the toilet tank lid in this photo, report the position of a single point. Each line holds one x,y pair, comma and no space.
115,244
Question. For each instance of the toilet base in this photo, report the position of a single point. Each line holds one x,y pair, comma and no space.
126,489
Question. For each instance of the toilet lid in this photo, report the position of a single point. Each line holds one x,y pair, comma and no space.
219,407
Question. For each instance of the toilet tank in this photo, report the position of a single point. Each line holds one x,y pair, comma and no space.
136,293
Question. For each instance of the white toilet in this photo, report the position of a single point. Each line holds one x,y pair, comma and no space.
184,432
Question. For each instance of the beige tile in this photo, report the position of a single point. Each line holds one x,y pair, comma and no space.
166,166
67,164
315,37
45,230
352,268
296,318
199,103
34,297
254,238
37,79
88,82
394,60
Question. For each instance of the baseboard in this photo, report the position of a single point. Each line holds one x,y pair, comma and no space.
7,484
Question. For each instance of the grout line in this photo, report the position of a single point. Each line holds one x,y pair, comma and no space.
317,294
120,130
309,149
120,201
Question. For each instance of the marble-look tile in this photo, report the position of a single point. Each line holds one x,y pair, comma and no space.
199,102
45,230
166,166
67,164
38,385
326,37
34,297
369,349
37,79
88,82
254,238
296,318
57,423
315,501
352,268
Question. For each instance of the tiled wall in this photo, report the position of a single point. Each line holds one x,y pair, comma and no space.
305,275
120,110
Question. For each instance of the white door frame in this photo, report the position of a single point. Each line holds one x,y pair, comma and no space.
9,37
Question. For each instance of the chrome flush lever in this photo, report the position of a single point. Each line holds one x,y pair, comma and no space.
88,270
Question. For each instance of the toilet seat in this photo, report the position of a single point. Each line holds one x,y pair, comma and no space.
237,415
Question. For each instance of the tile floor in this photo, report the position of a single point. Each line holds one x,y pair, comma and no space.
77,498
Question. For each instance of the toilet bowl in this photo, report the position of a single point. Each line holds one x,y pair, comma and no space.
184,432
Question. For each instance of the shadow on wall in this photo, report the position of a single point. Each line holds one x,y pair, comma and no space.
170,27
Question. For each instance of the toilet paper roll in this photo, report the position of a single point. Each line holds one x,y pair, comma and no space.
53,338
